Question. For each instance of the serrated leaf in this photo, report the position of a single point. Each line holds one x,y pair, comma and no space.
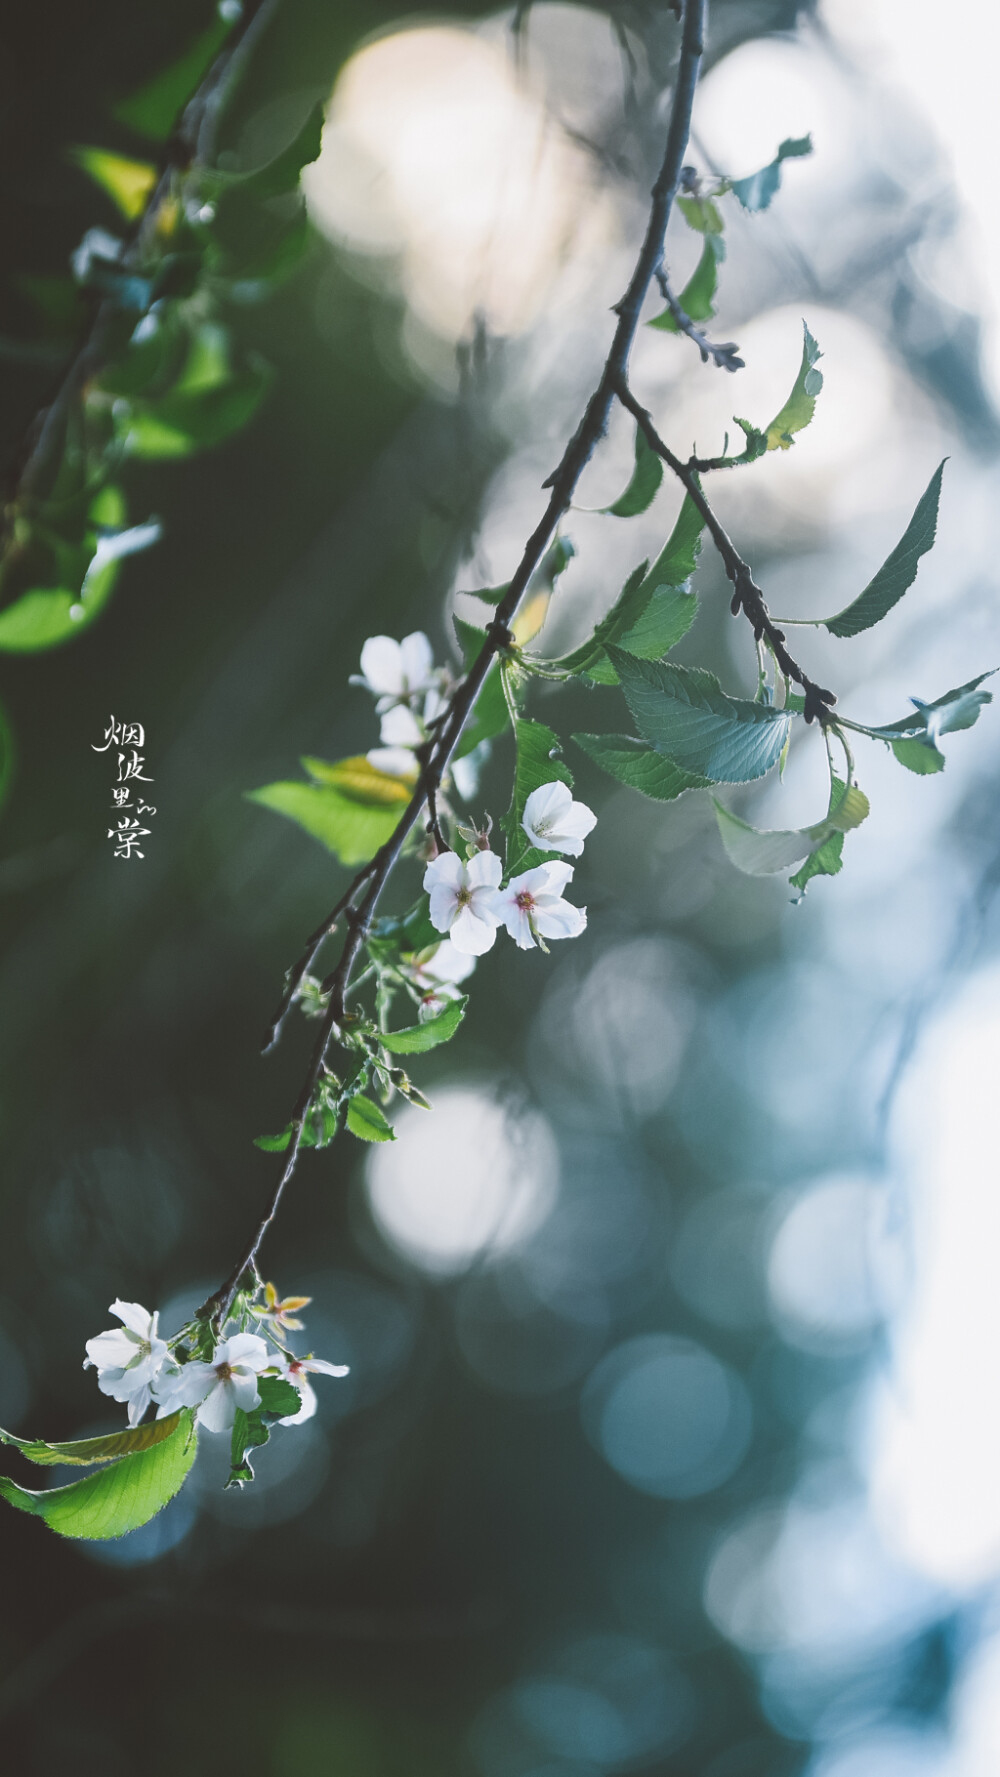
537,763
490,595
920,756
118,1497
898,571
417,1038
760,852
128,183
367,1120
361,781
349,829
827,861
87,1452
697,298
756,191
278,1396
801,404
701,214
644,485
949,714
154,109
684,713
249,1433
638,766
666,619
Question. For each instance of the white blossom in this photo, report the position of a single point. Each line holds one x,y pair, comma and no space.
397,672
532,907
296,1371
219,1387
438,973
401,733
554,822
128,1358
462,899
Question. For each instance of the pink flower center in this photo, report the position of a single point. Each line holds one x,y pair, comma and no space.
525,901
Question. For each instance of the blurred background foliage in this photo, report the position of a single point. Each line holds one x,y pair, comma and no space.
637,1467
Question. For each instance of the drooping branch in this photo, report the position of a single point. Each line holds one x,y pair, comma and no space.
359,914
747,595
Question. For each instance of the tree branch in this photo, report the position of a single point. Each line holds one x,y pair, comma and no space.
722,355
747,595
562,482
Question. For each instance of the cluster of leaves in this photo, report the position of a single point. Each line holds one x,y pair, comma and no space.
135,1473
158,374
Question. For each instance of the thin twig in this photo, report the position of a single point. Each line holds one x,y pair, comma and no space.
562,483
724,355
747,595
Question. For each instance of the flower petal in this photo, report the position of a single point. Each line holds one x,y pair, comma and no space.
218,1409
138,1405
557,878
471,934
447,871
518,924
417,660
394,761
560,919
112,1350
443,907
246,1349
448,964
320,1366
484,870
307,1395
382,665
134,1315
245,1392
400,727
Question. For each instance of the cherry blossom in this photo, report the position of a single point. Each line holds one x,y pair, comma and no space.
296,1371
463,897
438,973
128,1358
554,822
219,1387
401,734
397,672
532,907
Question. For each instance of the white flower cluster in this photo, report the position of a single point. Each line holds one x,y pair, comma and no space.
135,1366
409,693
468,902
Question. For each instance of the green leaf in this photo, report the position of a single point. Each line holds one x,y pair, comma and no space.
282,174
765,853
633,763
490,715
701,214
46,617
361,781
653,610
417,1038
278,1396
86,1452
537,763
249,1433
914,739
490,595
367,1120
684,713
128,183
349,829
921,757
756,191
697,298
193,418
119,1497
898,571
801,404
646,478
827,861
154,109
